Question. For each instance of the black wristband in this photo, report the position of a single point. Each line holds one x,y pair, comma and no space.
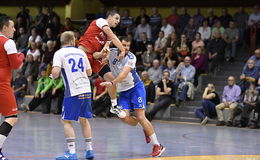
112,82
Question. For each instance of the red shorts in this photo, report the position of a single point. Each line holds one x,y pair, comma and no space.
8,105
96,64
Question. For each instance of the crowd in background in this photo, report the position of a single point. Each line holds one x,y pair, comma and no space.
172,52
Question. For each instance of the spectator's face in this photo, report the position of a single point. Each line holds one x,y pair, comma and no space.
224,11
154,11
19,74
210,87
43,73
191,21
218,24
170,64
205,23
67,22
114,20
130,36
149,47
29,58
231,24
183,37
126,13
251,64
199,50
48,32
169,50
166,76
161,34
143,21
34,33
231,81
156,63
21,30
126,45
144,76
142,12
9,30
50,45
257,53
197,37
143,36
173,36
164,22
187,61
217,35
33,45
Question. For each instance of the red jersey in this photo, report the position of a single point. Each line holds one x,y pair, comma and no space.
94,38
100,89
9,59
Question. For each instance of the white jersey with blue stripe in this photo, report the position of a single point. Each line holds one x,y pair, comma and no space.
74,64
117,66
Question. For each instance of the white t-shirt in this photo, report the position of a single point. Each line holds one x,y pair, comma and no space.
36,53
74,65
117,66
37,39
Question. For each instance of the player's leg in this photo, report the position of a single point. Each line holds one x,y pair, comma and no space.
107,75
85,114
158,149
8,109
130,120
70,113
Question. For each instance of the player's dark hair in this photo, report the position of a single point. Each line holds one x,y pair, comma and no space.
111,13
125,39
4,21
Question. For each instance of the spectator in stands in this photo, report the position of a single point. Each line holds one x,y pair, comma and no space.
142,15
211,17
171,69
210,99
198,18
56,26
155,22
144,27
149,87
225,18
68,26
231,37
160,43
30,67
190,30
38,99
254,19
50,14
35,37
173,41
216,49
55,88
34,51
40,21
101,100
249,75
126,23
173,18
155,72
183,20
47,55
249,105
185,80
25,18
19,85
22,40
230,98
256,59
148,56
133,47
183,48
169,56
205,31
167,28
241,19
217,28
164,94
101,13
197,42
141,46
199,61
48,37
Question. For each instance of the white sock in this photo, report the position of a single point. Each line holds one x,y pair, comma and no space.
71,145
113,102
2,140
88,144
154,139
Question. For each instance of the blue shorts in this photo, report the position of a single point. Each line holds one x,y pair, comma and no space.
77,106
134,98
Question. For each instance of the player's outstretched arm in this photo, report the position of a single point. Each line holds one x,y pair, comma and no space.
119,78
103,53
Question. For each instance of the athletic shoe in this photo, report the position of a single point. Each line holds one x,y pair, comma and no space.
147,138
90,154
204,121
25,107
157,150
118,111
2,157
68,156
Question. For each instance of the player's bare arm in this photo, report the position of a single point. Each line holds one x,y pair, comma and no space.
103,53
55,72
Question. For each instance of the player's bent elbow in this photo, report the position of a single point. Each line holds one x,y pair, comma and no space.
89,72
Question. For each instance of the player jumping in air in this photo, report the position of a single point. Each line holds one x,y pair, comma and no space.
74,67
94,43
132,95
9,60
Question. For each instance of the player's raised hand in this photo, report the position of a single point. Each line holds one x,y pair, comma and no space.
121,55
106,84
